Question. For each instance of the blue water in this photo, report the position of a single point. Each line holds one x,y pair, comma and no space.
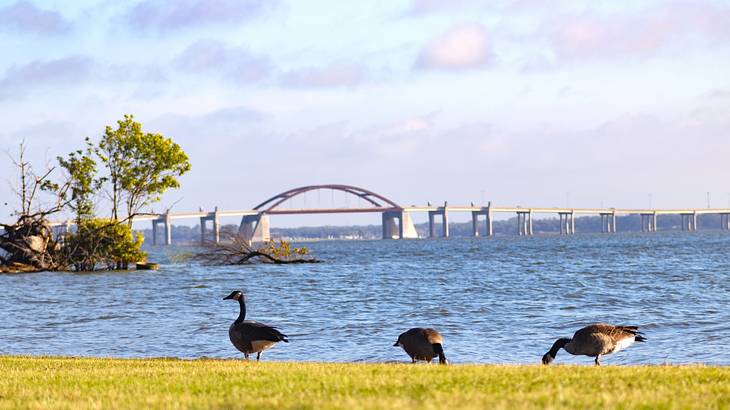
496,300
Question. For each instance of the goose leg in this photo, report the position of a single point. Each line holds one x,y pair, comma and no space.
598,360
258,356
245,356
413,359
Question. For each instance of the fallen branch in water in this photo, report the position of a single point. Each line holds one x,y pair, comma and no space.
238,251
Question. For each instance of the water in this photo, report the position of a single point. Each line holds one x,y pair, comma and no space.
499,300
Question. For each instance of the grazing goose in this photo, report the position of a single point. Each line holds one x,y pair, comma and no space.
422,344
249,336
596,340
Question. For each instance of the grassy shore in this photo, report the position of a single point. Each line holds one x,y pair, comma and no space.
27,382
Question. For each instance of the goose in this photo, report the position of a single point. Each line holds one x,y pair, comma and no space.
249,336
422,344
596,340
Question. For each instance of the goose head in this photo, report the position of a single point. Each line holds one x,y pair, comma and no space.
547,358
235,295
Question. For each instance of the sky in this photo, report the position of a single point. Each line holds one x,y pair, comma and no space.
530,103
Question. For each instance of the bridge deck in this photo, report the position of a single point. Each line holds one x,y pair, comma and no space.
455,208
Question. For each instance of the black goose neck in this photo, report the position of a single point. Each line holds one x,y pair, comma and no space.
559,344
242,313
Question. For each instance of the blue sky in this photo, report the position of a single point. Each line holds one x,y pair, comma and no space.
534,103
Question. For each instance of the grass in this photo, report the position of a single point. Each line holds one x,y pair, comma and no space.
70,383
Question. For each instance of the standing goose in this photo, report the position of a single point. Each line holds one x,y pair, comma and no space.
596,340
422,344
249,336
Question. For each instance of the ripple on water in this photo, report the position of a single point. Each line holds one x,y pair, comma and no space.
497,301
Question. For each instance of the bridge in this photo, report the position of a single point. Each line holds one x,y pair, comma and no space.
397,220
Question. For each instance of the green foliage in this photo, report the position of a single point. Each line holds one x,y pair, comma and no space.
105,244
138,168
141,166
81,170
282,250
164,383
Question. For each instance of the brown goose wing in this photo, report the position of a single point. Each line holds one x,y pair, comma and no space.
432,336
617,333
603,338
590,341
259,331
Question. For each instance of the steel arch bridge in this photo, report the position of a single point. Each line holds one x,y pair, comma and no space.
377,202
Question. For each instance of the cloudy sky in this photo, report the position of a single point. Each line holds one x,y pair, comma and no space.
532,103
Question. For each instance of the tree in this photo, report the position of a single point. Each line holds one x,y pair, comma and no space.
141,166
99,242
138,168
28,244
81,170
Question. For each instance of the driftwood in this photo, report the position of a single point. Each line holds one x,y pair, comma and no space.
28,245
237,251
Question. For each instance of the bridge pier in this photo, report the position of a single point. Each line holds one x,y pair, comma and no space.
724,222
567,223
402,229
213,217
648,222
689,221
255,228
613,222
474,224
487,212
443,212
524,223
165,221
608,222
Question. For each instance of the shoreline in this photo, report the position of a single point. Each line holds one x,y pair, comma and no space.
353,363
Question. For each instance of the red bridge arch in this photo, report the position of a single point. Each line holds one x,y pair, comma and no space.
378,202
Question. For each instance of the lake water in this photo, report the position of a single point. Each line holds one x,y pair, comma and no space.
497,300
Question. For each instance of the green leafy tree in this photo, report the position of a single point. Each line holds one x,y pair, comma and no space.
141,166
101,243
138,168
81,169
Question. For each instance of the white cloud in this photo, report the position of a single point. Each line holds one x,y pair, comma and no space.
234,63
166,16
19,79
24,16
462,47
335,75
